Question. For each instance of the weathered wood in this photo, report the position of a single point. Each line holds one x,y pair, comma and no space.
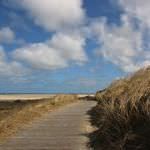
63,129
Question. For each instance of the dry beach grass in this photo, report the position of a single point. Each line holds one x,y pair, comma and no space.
122,115
15,114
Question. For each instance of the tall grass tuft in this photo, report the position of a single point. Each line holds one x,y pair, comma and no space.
122,115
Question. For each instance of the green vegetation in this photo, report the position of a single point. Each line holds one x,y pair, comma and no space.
122,115
15,114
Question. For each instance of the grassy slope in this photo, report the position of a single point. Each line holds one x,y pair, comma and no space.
122,114
15,114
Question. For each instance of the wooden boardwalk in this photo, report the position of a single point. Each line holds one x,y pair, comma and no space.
62,129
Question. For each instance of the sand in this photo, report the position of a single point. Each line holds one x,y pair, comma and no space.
24,96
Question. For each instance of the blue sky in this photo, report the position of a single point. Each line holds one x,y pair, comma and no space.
71,46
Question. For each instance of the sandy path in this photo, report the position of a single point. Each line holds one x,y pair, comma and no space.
63,129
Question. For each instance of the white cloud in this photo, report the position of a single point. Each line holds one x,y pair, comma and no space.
40,55
54,14
137,8
6,35
66,46
71,47
9,68
56,53
121,45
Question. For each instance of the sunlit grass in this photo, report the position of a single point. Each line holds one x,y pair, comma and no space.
15,114
122,114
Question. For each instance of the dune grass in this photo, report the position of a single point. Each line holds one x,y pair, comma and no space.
16,114
122,115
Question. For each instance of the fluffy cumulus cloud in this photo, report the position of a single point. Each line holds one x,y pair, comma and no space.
54,14
66,45
39,56
58,52
6,35
120,45
9,68
123,45
137,8
71,46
